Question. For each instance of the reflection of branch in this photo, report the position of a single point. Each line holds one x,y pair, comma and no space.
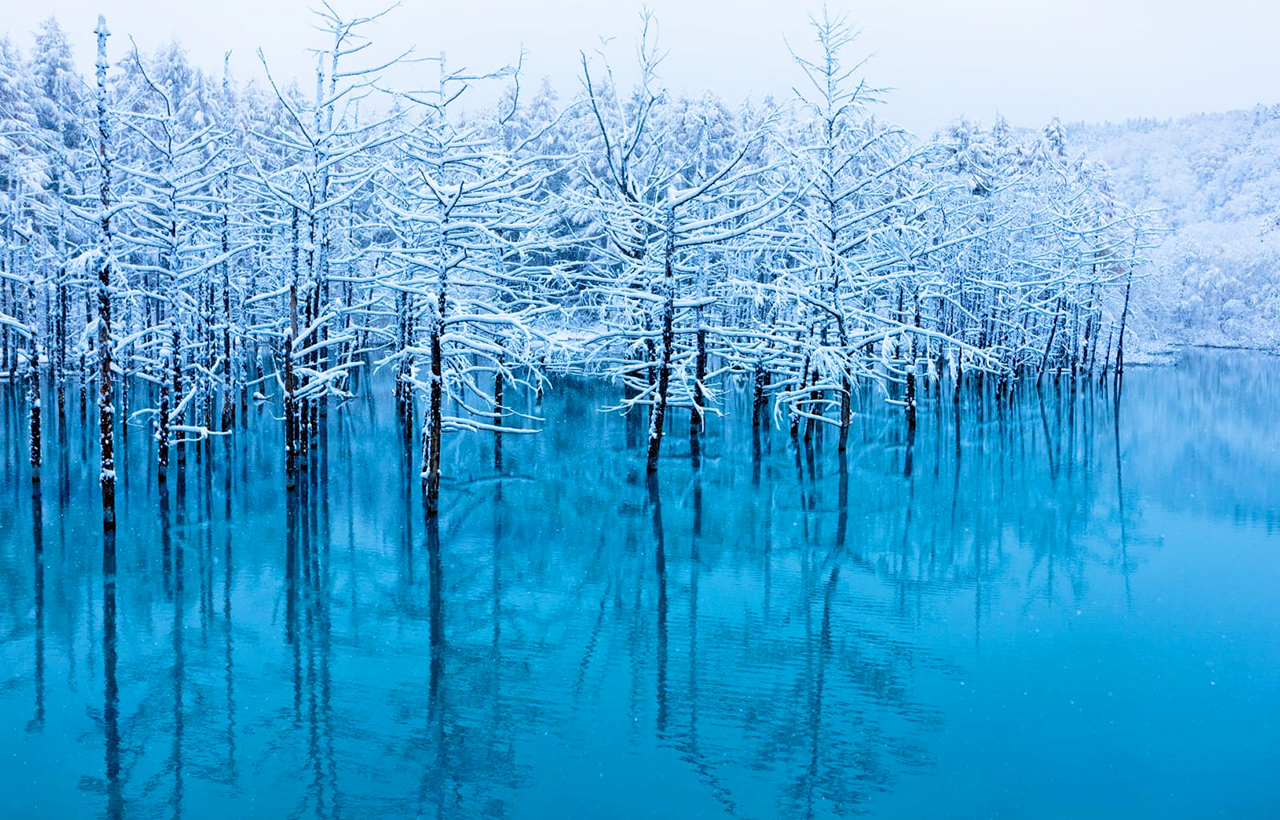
1124,533
111,690
590,650
37,542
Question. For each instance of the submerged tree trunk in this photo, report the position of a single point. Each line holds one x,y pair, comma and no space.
846,413
228,370
758,399
292,423
433,421
404,370
106,396
659,413
106,400
696,417
1053,332
33,401
33,383
163,420
911,373
432,427
59,363
497,416
179,410
815,409
1124,315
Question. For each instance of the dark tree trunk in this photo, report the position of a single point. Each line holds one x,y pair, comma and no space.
758,399
497,417
432,427
106,400
846,413
658,416
106,396
1124,316
696,417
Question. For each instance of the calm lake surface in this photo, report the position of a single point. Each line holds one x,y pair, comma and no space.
1066,615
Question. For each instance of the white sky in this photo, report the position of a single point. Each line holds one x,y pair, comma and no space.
1028,59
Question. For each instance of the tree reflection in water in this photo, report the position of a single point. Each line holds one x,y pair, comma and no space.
753,632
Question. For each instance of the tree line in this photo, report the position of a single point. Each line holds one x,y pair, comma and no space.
182,246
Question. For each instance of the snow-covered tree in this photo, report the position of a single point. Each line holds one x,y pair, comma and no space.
468,228
655,210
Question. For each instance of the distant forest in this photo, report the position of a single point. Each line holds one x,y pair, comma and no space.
1212,181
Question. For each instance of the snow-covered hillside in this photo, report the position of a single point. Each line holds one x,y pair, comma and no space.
1215,277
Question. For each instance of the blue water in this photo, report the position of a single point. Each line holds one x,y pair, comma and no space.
1072,614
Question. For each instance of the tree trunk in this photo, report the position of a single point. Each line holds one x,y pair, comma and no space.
33,382
696,417
758,400
60,353
106,400
497,416
659,413
1124,316
106,396
432,426
163,435
846,413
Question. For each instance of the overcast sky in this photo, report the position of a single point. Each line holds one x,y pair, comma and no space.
1027,59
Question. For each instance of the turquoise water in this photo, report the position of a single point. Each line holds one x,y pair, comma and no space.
1071,614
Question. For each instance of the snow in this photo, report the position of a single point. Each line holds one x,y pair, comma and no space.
666,240
1215,181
